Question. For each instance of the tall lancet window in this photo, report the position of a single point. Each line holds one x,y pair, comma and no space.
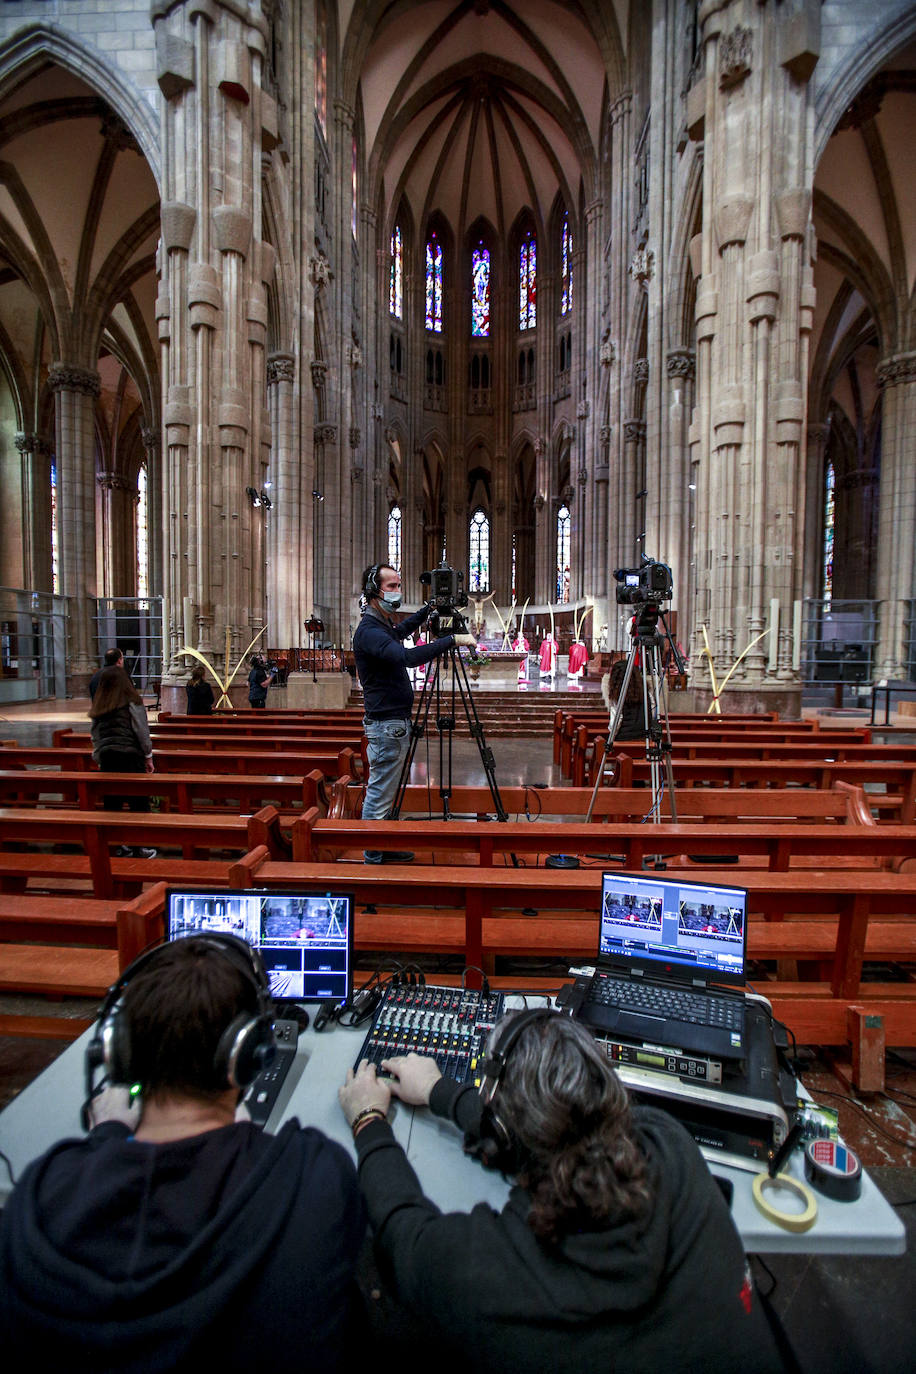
355,188
566,271
434,285
321,66
142,532
527,283
829,519
394,539
563,523
396,278
480,292
55,531
479,545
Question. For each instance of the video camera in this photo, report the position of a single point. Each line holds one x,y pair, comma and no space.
653,581
447,595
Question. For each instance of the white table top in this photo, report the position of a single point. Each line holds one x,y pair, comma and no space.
48,1110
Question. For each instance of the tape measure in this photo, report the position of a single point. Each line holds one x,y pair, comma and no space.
833,1169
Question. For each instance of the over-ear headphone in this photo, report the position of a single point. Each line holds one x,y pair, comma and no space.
371,585
495,1146
245,1047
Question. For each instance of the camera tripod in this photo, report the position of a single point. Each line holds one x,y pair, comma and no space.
445,716
647,640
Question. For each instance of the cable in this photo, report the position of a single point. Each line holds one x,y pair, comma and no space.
9,1166
908,1144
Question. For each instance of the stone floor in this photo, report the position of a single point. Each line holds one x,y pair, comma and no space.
840,1312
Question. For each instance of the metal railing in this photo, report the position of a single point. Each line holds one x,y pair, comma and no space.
133,625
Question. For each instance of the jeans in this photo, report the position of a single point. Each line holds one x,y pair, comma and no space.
387,744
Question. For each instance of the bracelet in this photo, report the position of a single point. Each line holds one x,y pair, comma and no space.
365,1116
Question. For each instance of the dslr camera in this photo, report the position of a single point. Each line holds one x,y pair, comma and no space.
447,595
652,581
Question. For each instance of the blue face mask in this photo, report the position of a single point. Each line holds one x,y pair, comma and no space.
391,600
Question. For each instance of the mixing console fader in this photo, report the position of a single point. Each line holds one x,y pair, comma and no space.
450,1025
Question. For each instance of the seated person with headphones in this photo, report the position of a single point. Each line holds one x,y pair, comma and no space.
615,1249
176,1236
381,665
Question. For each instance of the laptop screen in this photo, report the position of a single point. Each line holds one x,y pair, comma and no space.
305,938
695,927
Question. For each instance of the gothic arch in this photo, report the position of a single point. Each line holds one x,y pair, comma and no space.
865,57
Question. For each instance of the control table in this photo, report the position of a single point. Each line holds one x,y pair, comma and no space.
48,1110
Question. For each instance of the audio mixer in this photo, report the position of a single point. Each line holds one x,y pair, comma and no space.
451,1025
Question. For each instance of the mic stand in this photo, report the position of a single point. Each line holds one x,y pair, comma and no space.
647,640
445,715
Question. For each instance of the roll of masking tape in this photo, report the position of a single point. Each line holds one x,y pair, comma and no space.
834,1170
789,1221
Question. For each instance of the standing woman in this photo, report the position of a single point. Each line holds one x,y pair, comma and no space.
121,740
200,693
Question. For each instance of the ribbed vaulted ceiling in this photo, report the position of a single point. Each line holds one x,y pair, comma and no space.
482,108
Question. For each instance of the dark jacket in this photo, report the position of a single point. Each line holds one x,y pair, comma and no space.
670,1292
230,1250
382,662
200,698
125,731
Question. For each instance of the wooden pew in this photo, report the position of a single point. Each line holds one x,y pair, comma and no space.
482,912
92,834
171,759
177,792
898,779
628,845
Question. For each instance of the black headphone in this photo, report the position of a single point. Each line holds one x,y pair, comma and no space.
371,586
245,1047
494,1145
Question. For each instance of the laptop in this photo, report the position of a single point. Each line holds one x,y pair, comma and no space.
305,940
671,963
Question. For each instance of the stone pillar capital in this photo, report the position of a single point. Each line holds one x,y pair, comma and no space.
115,481
281,367
149,437
69,377
681,362
897,370
634,431
641,371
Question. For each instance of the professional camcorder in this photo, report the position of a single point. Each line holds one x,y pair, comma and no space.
652,581
447,595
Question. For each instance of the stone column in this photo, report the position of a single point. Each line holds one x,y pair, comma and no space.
544,537
76,390
813,529
896,579
677,506
288,550
35,458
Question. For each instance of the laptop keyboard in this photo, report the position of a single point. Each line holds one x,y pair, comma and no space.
678,1004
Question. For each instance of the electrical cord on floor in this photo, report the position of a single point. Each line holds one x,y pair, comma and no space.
908,1143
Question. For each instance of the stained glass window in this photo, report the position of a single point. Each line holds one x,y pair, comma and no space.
563,553
353,165
566,272
396,280
479,552
480,292
321,68
514,568
142,533
55,535
434,285
394,539
527,284
829,517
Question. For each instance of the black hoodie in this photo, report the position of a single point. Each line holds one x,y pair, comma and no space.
671,1291
228,1250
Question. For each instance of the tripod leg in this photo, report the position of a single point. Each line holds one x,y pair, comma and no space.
473,719
417,728
613,726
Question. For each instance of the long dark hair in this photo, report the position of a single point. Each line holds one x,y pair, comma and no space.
634,688
569,1115
115,689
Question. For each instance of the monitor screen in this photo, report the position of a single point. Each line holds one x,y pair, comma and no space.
305,938
695,926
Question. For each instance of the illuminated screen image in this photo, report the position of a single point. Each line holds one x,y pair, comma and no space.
304,939
691,925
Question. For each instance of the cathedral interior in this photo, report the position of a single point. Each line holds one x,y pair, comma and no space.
542,289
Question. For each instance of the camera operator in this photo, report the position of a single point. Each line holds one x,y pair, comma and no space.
259,679
615,1249
177,1235
381,665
